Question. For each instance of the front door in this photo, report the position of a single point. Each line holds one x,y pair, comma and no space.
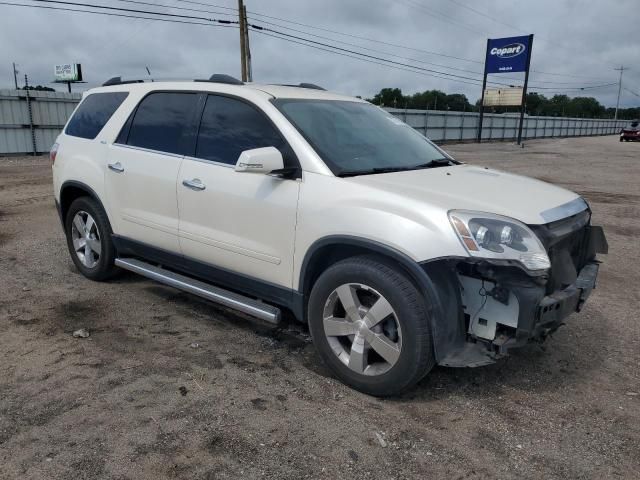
242,222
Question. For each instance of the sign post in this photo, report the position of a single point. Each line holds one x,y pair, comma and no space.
484,87
524,89
507,55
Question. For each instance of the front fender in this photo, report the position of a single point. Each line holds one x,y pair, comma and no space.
329,206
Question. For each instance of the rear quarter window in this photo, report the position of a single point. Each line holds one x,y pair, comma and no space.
93,114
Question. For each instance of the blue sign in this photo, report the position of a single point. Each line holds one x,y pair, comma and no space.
506,55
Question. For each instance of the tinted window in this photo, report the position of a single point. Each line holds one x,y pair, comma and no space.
230,126
357,137
93,114
161,120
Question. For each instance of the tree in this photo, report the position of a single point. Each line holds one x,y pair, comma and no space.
39,88
536,104
389,97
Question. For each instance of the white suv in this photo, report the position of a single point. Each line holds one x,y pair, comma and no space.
267,197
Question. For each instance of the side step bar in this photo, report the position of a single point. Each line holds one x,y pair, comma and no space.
232,300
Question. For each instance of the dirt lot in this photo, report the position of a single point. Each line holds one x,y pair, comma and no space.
136,400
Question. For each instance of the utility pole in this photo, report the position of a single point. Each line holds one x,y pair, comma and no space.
621,69
243,45
247,48
15,75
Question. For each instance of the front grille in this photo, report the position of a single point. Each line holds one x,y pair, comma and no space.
566,244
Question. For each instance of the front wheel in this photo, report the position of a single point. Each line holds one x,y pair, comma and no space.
370,325
89,239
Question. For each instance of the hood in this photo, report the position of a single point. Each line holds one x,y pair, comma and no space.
466,187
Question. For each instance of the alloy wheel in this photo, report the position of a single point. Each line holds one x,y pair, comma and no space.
362,329
86,239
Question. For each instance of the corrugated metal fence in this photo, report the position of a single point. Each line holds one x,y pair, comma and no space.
441,126
31,121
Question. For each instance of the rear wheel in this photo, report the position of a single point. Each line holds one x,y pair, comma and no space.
89,239
370,325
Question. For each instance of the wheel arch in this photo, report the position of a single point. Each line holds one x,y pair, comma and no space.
71,190
328,250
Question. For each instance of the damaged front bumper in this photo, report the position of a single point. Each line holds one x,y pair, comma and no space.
505,307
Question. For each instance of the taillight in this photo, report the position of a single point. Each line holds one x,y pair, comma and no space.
53,152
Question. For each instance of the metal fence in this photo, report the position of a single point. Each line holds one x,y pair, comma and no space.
30,122
441,126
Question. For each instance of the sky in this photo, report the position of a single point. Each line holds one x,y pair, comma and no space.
577,43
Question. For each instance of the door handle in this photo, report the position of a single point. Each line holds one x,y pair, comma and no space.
116,167
194,184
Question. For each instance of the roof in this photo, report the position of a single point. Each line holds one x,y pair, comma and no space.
270,91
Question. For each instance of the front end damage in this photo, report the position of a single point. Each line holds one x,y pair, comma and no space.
500,305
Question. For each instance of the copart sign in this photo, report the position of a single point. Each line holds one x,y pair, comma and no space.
507,54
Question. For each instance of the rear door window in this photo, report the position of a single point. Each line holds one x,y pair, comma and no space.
162,122
230,126
93,114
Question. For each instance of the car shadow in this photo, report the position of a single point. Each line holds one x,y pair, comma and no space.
561,360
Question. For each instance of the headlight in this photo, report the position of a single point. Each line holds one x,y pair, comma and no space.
486,235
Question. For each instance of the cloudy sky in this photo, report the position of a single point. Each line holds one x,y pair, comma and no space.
577,43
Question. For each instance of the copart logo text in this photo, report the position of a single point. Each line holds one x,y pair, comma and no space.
508,51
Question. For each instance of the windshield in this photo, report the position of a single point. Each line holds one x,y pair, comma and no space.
355,138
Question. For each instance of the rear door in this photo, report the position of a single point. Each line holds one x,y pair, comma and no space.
243,222
143,167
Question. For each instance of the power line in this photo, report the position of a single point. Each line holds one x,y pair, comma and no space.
374,57
443,16
139,2
175,15
278,34
374,40
365,55
493,19
631,92
111,14
381,42
268,34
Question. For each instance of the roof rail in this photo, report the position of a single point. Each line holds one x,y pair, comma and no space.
312,86
119,81
222,78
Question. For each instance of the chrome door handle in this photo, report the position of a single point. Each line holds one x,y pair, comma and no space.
116,167
194,184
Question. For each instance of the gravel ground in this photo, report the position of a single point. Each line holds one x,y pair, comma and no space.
137,400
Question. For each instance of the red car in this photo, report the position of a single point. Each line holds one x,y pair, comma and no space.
632,132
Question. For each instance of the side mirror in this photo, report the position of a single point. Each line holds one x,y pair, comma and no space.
260,160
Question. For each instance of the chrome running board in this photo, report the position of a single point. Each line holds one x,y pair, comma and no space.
243,304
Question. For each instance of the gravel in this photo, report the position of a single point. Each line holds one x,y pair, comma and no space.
136,400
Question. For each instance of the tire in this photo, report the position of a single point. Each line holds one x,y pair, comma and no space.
390,348
621,139
93,253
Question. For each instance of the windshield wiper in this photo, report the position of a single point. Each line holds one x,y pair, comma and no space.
371,171
438,162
